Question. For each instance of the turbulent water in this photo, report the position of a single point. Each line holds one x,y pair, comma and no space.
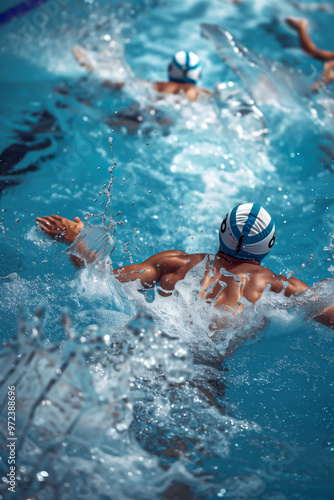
122,394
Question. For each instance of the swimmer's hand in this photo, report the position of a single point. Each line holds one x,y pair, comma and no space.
296,23
60,228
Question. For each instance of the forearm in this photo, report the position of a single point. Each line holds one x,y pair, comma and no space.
147,273
310,48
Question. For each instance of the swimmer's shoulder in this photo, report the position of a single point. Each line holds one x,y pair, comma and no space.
173,260
263,275
183,258
168,254
167,257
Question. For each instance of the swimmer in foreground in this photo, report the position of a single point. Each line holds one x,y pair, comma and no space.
309,47
246,236
184,71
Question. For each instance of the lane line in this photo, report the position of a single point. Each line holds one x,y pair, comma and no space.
19,9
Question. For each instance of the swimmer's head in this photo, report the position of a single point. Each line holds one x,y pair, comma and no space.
247,232
185,67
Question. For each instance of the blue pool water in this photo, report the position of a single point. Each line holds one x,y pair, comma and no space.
102,415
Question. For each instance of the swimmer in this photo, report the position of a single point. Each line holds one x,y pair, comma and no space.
184,71
246,236
309,47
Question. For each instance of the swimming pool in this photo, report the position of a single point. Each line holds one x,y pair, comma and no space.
261,427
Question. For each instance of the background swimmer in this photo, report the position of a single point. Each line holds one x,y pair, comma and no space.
247,235
184,71
309,47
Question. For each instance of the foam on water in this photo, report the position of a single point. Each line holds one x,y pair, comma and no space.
76,402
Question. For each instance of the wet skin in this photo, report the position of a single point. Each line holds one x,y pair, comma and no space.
300,25
188,89
248,279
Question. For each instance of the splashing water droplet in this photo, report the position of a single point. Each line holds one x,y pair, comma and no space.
42,475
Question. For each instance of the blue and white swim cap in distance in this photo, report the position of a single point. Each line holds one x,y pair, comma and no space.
247,232
185,67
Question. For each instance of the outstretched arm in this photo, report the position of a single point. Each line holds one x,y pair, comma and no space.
152,270
305,41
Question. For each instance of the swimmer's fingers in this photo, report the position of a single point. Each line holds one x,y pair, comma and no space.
53,233
43,222
69,223
59,218
49,223
50,226
65,222
51,219
76,225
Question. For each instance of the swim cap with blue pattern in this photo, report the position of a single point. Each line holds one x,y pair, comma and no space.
247,232
185,67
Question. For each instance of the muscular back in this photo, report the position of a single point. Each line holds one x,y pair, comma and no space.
225,280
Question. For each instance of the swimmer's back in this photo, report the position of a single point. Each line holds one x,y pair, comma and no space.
247,279
227,279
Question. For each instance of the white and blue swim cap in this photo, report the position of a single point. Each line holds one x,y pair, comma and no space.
185,67
247,232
